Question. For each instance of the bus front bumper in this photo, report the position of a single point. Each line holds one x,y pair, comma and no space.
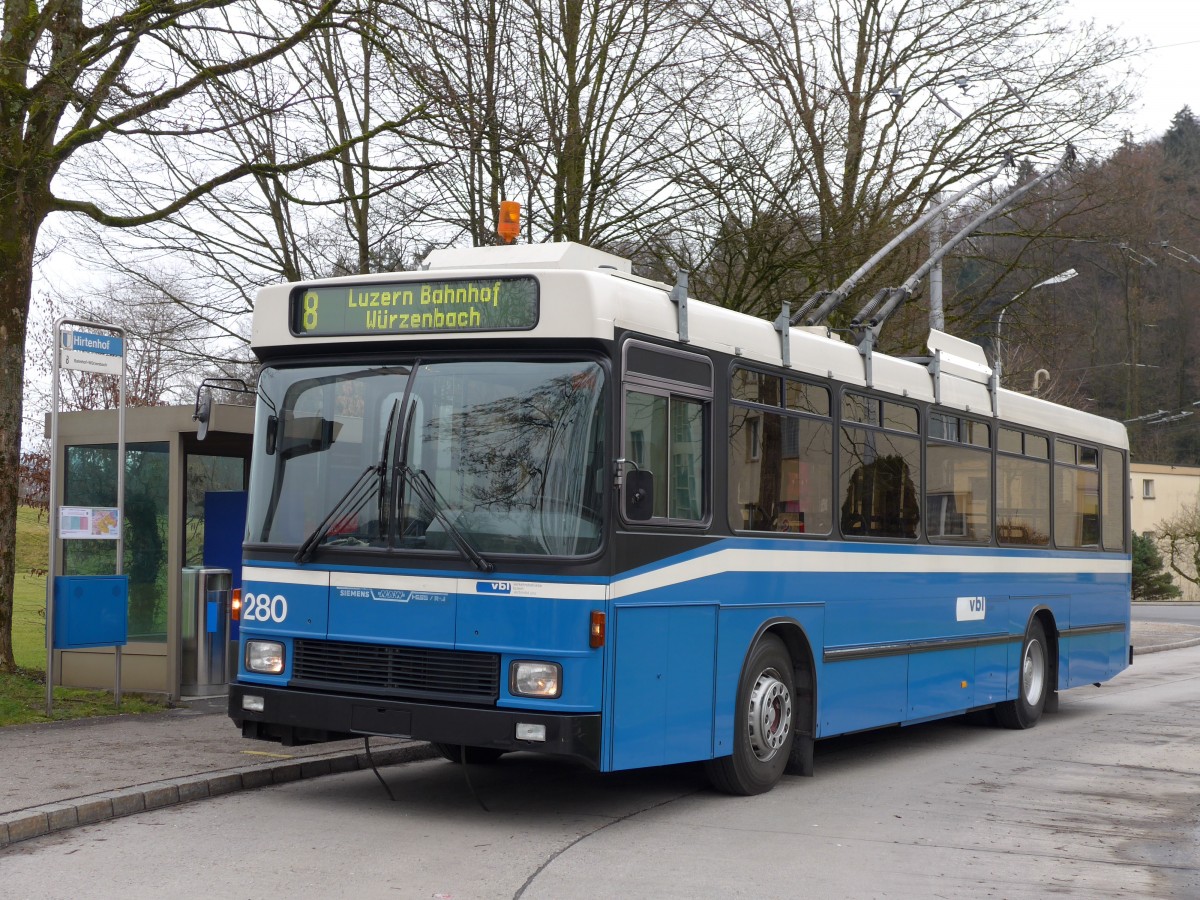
301,717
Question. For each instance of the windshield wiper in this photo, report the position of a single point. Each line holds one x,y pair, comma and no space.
400,450
342,512
384,511
352,502
422,485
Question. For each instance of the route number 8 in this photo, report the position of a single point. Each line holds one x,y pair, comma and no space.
310,311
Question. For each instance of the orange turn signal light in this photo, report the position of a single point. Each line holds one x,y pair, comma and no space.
596,635
509,224
235,606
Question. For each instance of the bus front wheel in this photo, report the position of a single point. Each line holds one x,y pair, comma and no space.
1033,682
764,723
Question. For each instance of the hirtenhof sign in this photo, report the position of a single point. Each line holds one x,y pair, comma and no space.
86,351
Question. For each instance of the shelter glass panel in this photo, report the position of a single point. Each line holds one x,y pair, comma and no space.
90,479
204,474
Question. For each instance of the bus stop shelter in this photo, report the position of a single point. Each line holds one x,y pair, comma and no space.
169,476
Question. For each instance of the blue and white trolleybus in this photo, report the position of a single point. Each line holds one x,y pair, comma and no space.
523,499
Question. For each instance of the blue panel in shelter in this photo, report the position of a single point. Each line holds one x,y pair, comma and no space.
91,611
224,528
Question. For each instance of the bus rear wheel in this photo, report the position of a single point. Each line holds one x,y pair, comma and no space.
457,753
1033,682
764,723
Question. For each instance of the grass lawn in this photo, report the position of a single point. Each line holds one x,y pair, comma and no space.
29,594
23,701
23,696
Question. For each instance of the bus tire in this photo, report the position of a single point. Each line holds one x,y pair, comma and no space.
457,753
764,723
1033,682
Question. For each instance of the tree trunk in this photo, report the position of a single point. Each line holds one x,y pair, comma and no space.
19,224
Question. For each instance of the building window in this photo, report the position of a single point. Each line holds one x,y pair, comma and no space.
753,439
1147,488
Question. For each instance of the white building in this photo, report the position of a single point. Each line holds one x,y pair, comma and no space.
1158,493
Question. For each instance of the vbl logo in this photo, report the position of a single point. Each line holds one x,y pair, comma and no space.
972,609
494,587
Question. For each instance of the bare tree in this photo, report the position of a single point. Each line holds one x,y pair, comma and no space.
613,81
81,93
348,213
876,107
1180,536
479,116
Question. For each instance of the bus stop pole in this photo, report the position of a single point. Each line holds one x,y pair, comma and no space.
120,506
52,556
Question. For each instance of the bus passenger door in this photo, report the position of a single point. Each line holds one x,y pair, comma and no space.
663,685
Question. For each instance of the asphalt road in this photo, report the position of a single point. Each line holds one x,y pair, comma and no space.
1184,613
1100,800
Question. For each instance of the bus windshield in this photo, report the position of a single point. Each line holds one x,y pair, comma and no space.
506,456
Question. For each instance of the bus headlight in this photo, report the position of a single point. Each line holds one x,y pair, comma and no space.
535,679
264,657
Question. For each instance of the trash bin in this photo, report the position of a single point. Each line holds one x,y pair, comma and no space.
207,593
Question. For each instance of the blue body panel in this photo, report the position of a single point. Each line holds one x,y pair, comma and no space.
898,633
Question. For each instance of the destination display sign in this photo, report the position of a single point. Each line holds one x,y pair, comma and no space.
449,306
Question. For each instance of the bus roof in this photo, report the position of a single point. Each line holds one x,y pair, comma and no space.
589,294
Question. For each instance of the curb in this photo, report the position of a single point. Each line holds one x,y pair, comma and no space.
37,821
1158,648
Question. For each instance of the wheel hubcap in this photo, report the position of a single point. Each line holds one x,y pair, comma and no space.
1033,673
770,715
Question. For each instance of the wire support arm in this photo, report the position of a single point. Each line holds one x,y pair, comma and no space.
990,213
830,300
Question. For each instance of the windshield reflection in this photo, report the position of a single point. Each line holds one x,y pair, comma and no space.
514,449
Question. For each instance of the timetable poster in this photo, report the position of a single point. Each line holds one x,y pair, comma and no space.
89,523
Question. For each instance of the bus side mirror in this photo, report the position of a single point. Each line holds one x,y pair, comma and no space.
639,495
203,411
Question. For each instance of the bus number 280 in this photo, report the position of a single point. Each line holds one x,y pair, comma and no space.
264,608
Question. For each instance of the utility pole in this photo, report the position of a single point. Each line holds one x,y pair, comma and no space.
937,316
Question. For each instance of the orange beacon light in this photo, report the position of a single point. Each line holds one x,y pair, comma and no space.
509,224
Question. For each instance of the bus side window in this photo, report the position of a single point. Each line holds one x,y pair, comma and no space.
646,440
958,476
664,434
1022,489
780,456
1112,517
879,468
668,395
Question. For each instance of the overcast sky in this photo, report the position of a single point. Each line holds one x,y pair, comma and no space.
1169,30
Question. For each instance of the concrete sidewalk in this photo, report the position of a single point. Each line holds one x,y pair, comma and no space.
64,774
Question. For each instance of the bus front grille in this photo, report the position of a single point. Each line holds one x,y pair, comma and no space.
419,673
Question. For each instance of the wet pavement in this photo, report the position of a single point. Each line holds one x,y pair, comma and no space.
64,774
